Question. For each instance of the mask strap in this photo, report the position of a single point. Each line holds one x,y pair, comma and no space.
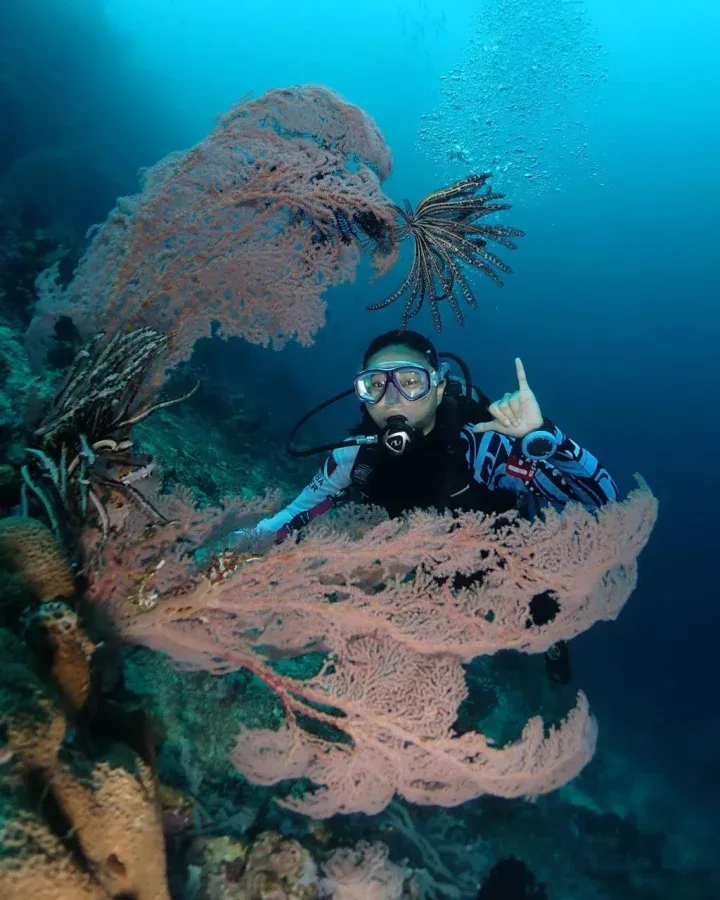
443,372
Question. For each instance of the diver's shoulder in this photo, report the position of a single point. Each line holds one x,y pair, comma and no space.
346,455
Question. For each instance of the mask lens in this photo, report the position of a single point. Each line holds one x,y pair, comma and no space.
370,386
412,382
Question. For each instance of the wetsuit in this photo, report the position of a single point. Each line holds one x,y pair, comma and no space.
484,472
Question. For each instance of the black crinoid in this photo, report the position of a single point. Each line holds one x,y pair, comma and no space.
447,237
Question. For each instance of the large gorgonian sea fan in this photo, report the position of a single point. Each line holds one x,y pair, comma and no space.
241,235
446,237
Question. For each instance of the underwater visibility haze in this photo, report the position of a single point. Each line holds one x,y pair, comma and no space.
468,647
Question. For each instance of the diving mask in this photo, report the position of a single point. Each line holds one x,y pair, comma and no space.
411,380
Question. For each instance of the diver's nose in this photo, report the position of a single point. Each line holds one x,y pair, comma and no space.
392,395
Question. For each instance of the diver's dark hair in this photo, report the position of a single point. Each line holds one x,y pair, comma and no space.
413,340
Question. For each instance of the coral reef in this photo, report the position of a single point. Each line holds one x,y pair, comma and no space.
28,547
345,661
273,866
80,817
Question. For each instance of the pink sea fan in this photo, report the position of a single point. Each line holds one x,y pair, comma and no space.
248,229
396,628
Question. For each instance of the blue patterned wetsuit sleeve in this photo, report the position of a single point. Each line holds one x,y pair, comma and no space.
571,474
329,481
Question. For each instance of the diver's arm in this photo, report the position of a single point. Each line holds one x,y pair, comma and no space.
572,473
316,499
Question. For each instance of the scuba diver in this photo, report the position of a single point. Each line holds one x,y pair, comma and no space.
428,439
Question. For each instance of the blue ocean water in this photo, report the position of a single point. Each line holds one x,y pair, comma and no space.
600,121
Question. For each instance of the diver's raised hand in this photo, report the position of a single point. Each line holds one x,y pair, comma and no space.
514,415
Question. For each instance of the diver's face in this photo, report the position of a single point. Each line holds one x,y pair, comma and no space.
419,413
